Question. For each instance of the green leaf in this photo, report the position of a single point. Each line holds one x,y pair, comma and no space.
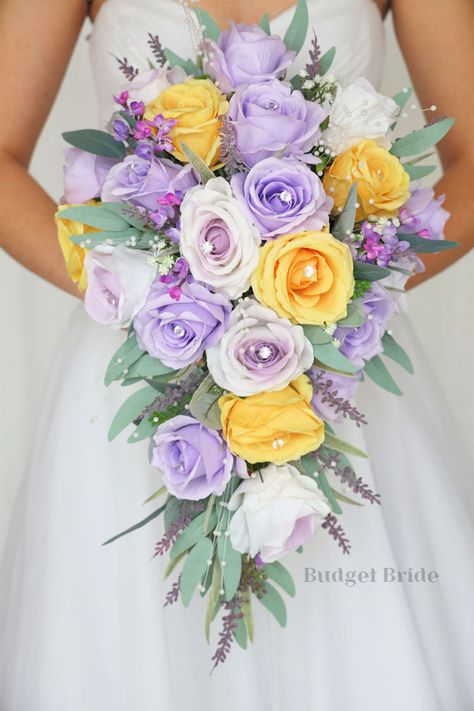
369,272
173,563
345,222
214,598
394,351
240,634
131,409
172,511
136,526
265,23
211,28
248,617
144,430
329,355
345,499
402,97
198,164
187,64
280,575
204,404
148,367
128,353
162,490
355,316
422,139
131,215
377,371
297,81
296,33
112,237
339,445
273,601
97,142
323,484
316,335
416,172
422,245
231,563
194,567
95,216
326,61
192,534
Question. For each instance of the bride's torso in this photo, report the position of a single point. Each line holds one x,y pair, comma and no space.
354,27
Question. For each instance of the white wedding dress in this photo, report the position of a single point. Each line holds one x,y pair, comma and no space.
82,627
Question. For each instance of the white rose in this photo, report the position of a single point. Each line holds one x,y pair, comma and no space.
358,112
219,242
275,515
118,281
147,86
259,351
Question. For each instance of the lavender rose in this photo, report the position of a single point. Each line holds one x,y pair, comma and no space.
194,460
245,55
142,182
118,281
178,332
260,351
271,118
423,215
84,174
280,195
364,342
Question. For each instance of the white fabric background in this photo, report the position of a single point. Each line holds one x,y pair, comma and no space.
35,314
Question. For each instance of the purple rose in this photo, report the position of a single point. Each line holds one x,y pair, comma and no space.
344,386
142,182
271,118
245,54
280,195
84,174
364,342
194,460
178,331
423,215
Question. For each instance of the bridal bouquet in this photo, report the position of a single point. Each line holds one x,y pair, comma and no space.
252,231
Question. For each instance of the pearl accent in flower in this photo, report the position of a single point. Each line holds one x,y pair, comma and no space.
178,330
285,196
309,271
278,443
264,352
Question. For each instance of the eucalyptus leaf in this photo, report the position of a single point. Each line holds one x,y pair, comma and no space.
136,526
377,371
355,316
240,634
369,272
316,335
422,245
394,351
204,404
339,445
162,490
416,172
329,355
172,511
422,139
111,237
193,533
297,82
281,576
194,567
344,224
209,509
211,28
130,410
97,142
273,601
265,23
172,563
296,33
402,97
144,430
95,216
231,563
326,61
345,499
148,367
325,487
187,64
129,213
198,164
214,598
248,617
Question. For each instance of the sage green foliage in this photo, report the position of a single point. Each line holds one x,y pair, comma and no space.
378,372
97,142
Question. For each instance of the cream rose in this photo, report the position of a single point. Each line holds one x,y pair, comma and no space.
219,242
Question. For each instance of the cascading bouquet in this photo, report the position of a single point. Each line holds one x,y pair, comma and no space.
253,234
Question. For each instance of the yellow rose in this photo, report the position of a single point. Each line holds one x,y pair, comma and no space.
73,254
277,426
197,106
306,277
382,183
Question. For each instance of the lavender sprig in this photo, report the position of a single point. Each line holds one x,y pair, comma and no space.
314,66
331,461
157,49
336,531
230,622
323,386
127,69
174,396
229,151
172,595
186,514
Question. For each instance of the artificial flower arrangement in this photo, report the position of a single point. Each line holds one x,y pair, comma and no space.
253,233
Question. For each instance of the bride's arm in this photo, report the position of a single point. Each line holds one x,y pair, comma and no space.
436,39
37,39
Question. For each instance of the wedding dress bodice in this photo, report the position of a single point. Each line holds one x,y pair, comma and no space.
354,27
